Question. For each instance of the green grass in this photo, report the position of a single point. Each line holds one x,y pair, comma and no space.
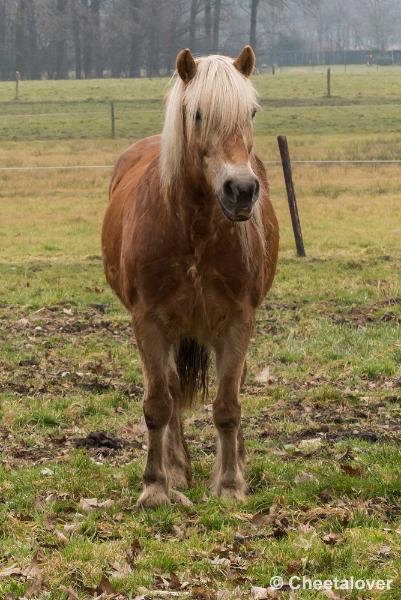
295,99
322,435
134,121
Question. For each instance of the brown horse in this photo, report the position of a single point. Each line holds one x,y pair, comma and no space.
190,243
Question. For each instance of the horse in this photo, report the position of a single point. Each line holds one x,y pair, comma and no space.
189,245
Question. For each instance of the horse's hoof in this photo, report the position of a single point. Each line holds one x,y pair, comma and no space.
178,478
230,493
180,498
152,497
234,491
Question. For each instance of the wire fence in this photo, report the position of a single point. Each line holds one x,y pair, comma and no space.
103,118
140,117
79,119
266,162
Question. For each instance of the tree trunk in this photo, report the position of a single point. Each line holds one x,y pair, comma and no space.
76,31
3,29
208,26
32,34
135,45
134,64
152,62
254,16
61,41
97,46
88,42
20,41
192,25
216,25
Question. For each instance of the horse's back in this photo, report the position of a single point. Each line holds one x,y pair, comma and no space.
139,153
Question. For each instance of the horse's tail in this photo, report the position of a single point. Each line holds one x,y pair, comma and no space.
192,361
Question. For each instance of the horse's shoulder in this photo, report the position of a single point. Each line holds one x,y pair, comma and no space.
144,150
269,220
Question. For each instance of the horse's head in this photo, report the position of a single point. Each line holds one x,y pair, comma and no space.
209,116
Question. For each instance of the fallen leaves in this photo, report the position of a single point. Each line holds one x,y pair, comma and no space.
105,587
278,520
11,572
202,593
35,587
331,539
70,593
89,504
30,573
132,552
332,595
385,551
61,537
168,582
353,471
261,593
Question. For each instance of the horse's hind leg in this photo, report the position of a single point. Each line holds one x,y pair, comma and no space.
228,479
158,409
179,464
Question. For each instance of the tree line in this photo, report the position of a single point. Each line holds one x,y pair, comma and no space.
95,38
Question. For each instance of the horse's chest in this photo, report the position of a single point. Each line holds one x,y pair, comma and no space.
196,287
207,299
191,289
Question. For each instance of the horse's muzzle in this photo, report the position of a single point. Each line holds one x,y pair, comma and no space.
238,198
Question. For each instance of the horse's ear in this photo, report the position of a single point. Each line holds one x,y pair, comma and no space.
186,66
245,61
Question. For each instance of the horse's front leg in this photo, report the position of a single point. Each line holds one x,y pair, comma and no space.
228,479
158,409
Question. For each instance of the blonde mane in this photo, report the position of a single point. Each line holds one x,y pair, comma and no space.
225,99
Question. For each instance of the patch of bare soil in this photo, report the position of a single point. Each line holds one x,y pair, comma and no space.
383,311
365,418
113,449
44,371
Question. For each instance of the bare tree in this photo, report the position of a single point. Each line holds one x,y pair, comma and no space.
76,35
254,18
216,25
135,42
127,37
380,18
192,24
26,39
60,40
208,26
3,30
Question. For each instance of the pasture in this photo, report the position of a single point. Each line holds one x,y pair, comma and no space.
322,403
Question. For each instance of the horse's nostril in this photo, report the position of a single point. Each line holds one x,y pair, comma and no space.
257,187
228,188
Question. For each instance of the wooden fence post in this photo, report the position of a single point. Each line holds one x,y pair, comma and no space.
329,83
17,80
292,200
113,120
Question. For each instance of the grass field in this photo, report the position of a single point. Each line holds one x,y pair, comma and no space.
322,404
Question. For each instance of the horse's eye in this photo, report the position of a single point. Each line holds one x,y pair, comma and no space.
198,116
253,113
